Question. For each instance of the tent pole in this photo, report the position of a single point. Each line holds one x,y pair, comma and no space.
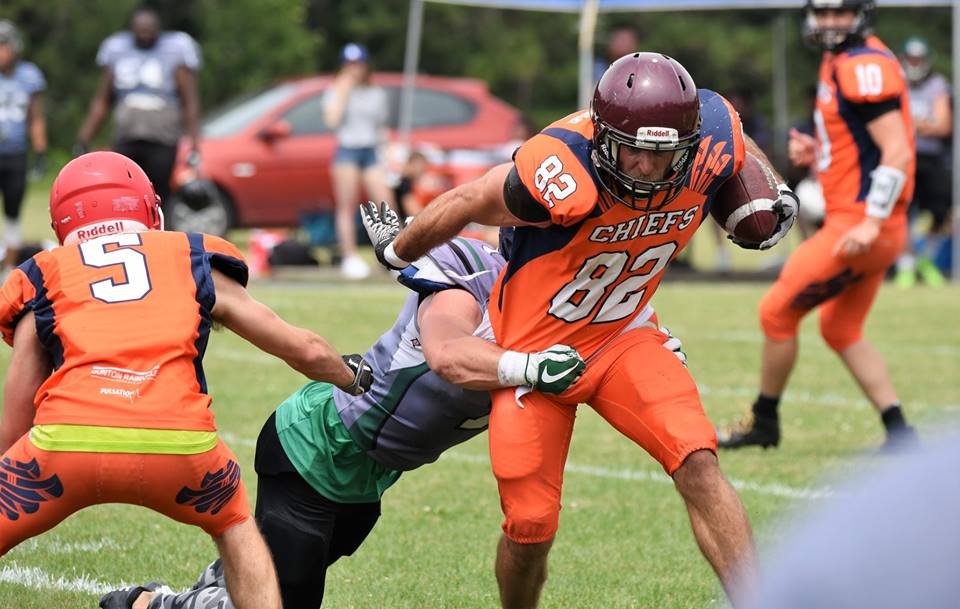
588,28
955,43
411,57
781,110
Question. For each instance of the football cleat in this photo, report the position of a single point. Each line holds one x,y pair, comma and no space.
750,430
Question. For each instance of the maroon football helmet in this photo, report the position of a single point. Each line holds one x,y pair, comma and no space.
648,101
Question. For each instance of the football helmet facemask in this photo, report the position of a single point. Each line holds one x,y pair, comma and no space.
836,39
646,101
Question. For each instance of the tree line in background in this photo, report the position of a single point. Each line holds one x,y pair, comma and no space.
528,58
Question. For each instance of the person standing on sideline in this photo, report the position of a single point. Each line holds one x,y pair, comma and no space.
149,78
933,120
864,153
358,110
21,112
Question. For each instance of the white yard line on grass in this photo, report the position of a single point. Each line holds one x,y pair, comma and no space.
38,579
776,490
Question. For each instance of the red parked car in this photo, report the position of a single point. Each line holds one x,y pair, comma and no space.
269,153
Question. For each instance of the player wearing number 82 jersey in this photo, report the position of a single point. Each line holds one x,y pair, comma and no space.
602,200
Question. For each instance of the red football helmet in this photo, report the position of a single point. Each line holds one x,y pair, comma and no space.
648,101
102,193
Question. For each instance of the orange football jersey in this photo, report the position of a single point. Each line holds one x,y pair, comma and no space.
846,153
585,278
125,320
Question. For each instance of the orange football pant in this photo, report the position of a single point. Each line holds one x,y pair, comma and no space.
39,488
634,383
843,288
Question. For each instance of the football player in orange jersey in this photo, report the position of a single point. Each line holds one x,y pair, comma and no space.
105,399
864,155
603,200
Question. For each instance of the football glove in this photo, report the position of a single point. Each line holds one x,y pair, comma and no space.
362,374
785,207
673,344
550,371
383,226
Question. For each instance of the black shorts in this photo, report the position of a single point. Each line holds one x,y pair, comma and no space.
155,159
305,531
13,183
933,190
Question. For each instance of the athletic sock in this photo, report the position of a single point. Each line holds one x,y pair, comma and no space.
892,418
766,407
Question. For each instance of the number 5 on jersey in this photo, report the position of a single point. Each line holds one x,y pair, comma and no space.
553,189
95,254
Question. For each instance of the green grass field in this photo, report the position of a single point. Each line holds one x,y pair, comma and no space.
624,539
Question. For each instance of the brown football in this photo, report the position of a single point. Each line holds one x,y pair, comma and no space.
743,204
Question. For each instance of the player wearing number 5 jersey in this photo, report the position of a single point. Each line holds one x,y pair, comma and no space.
603,200
105,399
864,154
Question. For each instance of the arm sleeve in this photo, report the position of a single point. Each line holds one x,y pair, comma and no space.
519,200
226,258
722,149
555,178
16,299
461,263
870,78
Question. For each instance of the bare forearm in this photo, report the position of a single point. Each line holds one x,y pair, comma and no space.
440,221
319,361
470,362
98,111
755,150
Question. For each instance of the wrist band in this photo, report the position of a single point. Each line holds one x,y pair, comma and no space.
390,255
512,369
886,184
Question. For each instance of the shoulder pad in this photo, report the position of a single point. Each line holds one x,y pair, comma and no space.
462,263
869,76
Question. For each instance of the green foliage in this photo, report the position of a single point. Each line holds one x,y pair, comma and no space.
529,58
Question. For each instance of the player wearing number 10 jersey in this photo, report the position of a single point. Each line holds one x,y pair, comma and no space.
603,200
864,154
105,399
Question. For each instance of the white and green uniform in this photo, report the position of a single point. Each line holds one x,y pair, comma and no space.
352,448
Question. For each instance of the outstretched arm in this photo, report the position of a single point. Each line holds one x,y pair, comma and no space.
448,320
255,322
480,200
99,107
29,367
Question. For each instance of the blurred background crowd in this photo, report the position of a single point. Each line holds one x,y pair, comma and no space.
272,120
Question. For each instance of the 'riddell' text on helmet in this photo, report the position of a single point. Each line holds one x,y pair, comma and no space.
837,39
102,193
646,101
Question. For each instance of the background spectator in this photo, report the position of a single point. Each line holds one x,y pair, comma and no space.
933,121
150,77
358,110
21,110
621,41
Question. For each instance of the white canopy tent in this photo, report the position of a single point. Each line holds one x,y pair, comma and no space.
589,9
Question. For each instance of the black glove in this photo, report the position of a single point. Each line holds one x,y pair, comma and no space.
39,165
383,226
79,148
362,374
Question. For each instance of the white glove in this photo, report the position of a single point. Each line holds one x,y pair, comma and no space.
673,344
785,207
